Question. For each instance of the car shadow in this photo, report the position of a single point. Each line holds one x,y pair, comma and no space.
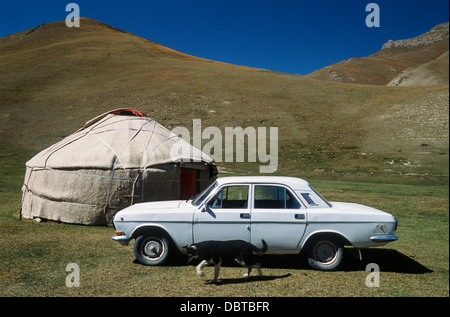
388,260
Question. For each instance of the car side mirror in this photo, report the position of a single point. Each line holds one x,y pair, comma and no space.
207,209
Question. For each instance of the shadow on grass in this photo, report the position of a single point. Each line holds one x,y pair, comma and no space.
250,279
388,261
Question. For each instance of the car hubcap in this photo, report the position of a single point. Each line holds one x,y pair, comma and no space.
325,252
153,248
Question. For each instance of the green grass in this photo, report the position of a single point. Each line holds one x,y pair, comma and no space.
34,255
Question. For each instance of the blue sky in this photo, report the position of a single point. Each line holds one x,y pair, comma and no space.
287,36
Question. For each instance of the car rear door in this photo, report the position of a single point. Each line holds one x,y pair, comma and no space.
278,217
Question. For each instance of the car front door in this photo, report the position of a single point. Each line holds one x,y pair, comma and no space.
226,216
278,217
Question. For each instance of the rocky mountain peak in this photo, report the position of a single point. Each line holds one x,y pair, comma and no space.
437,33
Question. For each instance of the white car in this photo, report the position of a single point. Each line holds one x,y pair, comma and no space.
287,212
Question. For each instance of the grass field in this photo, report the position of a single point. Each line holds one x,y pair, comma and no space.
34,255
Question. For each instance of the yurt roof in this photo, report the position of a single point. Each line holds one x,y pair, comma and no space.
122,138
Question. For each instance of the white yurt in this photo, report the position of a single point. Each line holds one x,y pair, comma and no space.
117,159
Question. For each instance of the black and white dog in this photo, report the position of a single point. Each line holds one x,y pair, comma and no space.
213,252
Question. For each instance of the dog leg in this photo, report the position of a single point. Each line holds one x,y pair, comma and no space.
258,267
200,267
243,264
216,271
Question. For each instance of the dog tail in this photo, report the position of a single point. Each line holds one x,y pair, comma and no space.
264,248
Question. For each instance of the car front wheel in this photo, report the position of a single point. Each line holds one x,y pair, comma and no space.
151,250
325,254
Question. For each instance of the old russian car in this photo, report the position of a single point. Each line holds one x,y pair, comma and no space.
287,212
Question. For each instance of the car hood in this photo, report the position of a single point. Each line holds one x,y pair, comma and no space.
155,205
157,210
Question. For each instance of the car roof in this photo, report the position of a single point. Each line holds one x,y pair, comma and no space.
292,182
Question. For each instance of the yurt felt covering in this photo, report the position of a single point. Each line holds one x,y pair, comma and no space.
115,160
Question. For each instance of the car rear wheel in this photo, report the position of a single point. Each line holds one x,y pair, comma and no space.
151,250
325,254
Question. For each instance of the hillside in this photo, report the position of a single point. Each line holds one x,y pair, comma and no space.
53,79
422,60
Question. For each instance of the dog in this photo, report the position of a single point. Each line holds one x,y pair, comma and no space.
213,252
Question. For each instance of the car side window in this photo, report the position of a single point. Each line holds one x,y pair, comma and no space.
274,197
231,197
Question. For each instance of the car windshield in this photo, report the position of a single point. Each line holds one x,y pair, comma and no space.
201,197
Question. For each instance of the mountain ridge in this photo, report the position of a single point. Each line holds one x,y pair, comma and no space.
54,79
437,33
380,68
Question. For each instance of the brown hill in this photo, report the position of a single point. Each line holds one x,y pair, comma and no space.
396,62
53,79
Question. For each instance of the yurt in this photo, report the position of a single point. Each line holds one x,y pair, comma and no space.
117,159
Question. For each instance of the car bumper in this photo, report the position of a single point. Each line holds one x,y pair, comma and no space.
384,238
122,239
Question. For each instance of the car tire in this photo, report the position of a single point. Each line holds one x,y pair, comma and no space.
325,254
151,250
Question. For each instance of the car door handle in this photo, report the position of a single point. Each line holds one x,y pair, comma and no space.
300,216
245,216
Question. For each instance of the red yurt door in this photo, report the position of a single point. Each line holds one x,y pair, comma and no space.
189,184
